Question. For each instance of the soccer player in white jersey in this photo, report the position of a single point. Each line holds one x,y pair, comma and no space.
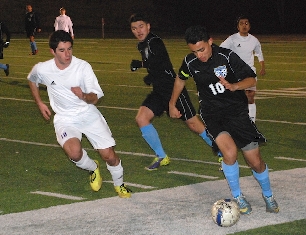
73,91
246,46
63,22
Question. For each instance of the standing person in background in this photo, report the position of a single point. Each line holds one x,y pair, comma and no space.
246,46
73,91
4,44
63,22
161,75
32,25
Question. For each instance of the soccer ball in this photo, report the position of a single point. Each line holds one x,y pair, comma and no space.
225,212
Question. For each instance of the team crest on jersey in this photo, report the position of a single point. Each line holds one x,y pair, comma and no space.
220,71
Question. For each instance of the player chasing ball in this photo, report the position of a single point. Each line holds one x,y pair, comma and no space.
73,91
221,78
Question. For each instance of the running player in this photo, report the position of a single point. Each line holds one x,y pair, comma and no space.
247,46
221,78
73,91
161,75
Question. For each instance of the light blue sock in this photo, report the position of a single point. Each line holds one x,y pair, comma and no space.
150,134
206,138
34,45
231,173
3,66
264,181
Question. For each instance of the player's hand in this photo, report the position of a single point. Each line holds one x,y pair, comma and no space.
6,44
173,112
45,111
227,85
38,30
148,80
135,64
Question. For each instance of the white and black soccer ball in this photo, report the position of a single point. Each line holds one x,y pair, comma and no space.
225,212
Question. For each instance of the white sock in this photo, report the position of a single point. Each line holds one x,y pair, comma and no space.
252,111
117,173
86,163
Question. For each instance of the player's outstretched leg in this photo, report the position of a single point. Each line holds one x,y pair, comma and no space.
231,173
264,182
117,176
150,135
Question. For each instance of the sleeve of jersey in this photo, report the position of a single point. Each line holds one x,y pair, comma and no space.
226,43
184,71
33,75
91,83
258,52
240,68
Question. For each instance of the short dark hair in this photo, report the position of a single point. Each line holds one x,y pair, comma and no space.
196,34
138,17
57,37
240,17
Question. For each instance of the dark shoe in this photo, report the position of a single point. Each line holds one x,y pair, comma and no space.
7,70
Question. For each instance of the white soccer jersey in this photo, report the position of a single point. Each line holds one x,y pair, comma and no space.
245,47
63,22
59,82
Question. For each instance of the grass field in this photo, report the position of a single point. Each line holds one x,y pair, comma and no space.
32,161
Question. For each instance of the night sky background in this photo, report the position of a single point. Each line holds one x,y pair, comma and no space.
170,17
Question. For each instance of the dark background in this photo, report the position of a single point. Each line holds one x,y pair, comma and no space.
167,17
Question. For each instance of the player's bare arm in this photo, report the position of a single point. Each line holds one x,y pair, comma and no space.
90,98
45,111
177,89
262,69
241,85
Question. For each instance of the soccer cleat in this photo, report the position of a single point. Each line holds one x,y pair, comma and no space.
271,204
34,52
95,178
7,70
244,205
157,162
123,191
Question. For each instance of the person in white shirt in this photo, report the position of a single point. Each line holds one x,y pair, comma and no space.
63,22
246,46
73,91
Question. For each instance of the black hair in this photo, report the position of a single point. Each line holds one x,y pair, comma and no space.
242,17
196,34
138,17
57,37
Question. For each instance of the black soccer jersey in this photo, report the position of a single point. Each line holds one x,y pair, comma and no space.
32,21
213,97
157,62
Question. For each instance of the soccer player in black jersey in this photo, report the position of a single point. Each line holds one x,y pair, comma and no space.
161,75
32,25
221,78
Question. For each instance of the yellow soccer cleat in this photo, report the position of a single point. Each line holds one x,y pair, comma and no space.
157,162
123,191
95,178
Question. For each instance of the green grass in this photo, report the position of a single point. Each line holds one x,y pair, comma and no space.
27,166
